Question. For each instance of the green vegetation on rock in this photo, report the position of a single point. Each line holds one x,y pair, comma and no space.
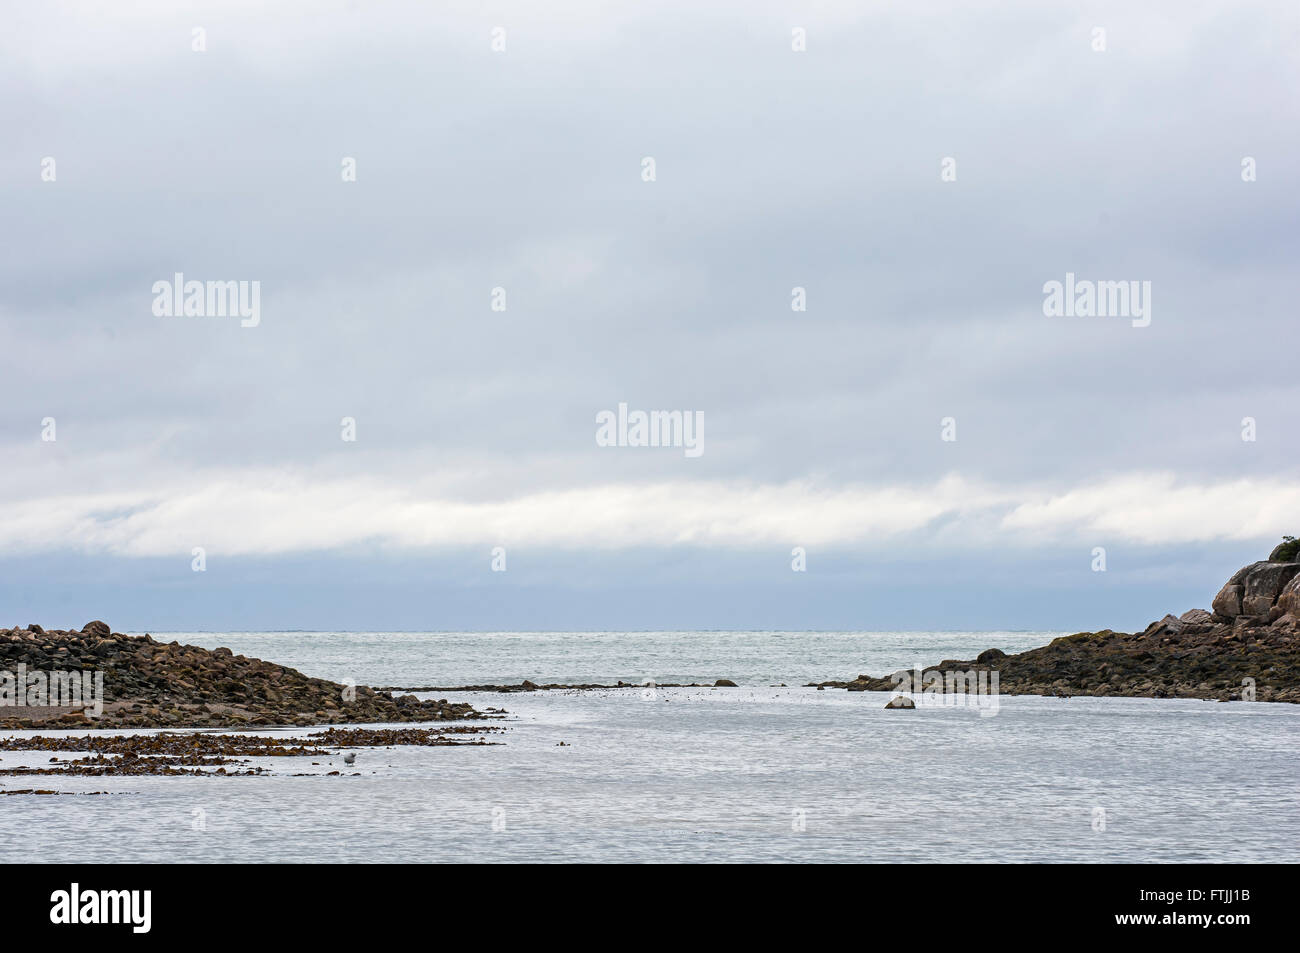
1287,551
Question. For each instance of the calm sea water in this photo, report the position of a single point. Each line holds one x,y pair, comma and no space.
407,659
752,773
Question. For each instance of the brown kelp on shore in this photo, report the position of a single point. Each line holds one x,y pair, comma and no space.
215,753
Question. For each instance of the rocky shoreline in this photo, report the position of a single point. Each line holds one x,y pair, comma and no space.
216,754
149,684
528,686
1247,647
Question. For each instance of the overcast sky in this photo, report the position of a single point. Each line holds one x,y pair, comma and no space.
523,169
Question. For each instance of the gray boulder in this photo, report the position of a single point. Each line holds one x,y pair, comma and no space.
1227,604
1264,586
1289,599
1166,626
1253,589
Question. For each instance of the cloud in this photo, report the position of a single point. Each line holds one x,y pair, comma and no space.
777,169
265,513
1157,509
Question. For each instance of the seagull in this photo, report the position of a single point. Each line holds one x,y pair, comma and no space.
350,758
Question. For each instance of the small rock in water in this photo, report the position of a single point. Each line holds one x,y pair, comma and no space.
900,701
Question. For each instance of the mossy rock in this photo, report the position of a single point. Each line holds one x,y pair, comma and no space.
1287,551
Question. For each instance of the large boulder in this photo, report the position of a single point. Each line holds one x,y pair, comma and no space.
1265,585
1253,589
1289,599
1227,604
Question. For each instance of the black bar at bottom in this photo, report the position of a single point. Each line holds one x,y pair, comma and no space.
949,902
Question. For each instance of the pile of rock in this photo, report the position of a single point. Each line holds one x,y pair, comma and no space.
149,684
1249,645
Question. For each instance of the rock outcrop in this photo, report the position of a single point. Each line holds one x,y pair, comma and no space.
149,684
1253,590
1248,646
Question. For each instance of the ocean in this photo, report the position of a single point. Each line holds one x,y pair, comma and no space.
754,773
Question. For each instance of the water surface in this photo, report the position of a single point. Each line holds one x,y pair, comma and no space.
754,773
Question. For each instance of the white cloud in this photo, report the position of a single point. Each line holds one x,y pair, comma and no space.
265,513
1156,508
521,171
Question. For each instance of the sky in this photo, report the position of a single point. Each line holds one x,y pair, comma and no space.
474,227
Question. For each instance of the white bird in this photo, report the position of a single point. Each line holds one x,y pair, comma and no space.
349,758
